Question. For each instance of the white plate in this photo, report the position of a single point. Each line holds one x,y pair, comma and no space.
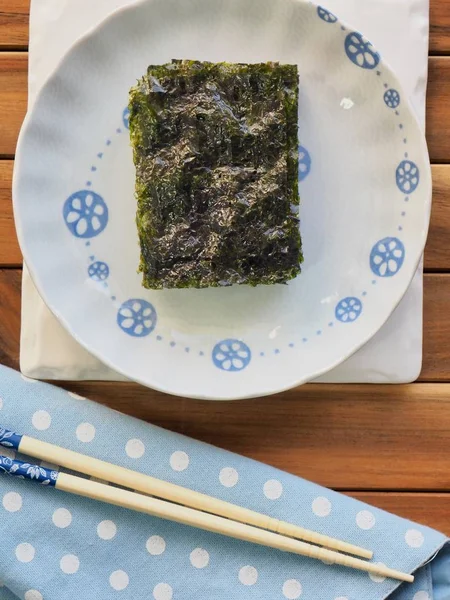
365,187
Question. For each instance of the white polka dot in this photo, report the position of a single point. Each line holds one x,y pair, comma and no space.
25,553
28,380
341,598
62,518
85,432
76,396
12,501
273,489
179,461
228,477
248,575
377,578
8,452
414,538
365,519
69,564
41,420
292,589
106,530
199,558
327,562
155,545
119,580
321,506
33,595
163,591
135,448
421,596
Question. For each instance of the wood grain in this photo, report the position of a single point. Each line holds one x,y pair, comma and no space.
10,285
438,113
436,347
440,26
432,510
14,15
342,436
437,255
13,99
13,102
14,25
9,248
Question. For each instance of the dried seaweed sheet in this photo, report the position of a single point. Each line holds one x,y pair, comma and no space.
216,154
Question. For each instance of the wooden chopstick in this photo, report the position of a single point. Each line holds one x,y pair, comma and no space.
189,516
175,493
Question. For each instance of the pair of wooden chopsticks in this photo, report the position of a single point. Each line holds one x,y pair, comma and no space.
185,506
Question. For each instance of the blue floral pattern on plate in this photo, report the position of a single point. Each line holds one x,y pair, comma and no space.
126,118
387,257
231,355
348,309
326,15
361,52
392,98
304,163
137,317
24,470
85,214
407,176
98,271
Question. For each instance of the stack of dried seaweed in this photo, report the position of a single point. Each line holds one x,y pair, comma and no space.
216,155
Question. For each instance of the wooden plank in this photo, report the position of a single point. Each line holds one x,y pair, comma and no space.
13,99
10,285
432,510
437,255
14,25
349,437
440,26
14,16
9,248
436,347
13,92
438,113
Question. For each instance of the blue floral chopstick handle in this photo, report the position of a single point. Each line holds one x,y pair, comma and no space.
25,470
9,439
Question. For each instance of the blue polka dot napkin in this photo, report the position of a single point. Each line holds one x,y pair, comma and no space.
56,546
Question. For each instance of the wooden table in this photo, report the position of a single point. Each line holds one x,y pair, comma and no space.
387,445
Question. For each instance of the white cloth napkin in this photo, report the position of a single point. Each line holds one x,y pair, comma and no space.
398,28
